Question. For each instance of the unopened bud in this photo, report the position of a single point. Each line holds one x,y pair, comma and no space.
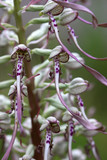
90,133
72,63
52,7
3,116
4,120
24,90
78,154
30,151
67,116
26,157
67,16
77,86
12,90
38,33
44,125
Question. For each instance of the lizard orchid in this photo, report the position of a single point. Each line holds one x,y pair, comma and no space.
20,52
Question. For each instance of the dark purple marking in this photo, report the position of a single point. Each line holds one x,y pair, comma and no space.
57,71
71,128
48,141
81,104
53,20
71,133
18,74
55,25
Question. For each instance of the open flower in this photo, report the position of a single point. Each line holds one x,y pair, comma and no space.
21,52
51,124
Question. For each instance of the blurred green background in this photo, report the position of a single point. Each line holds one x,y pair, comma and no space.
94,42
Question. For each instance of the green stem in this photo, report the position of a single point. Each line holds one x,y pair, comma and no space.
33,99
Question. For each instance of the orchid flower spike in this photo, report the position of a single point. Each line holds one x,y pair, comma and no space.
51,124
20,52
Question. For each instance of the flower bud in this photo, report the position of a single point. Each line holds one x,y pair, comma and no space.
7,36
26,157
77,153
90,133
4,102
67,16
3,116
38,33
77,86
30,151
72,63
58,54
12,90
67,116
44,125
4,120
21,49
52,7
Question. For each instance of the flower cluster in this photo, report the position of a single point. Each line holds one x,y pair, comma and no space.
57,110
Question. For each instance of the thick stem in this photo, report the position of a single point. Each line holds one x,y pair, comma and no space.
33,99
